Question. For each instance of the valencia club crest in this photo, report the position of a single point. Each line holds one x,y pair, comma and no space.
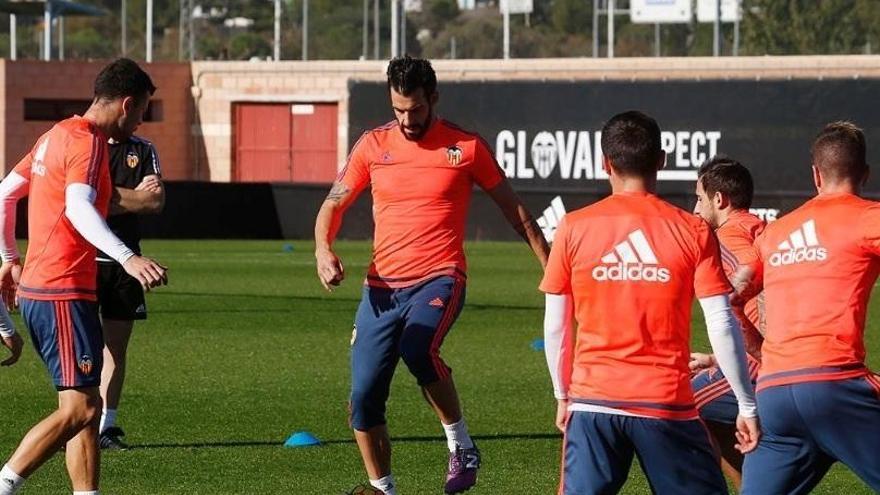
453,155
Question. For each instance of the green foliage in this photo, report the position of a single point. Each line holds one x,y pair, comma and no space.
787,27
558,28
88,43
572,16
243,46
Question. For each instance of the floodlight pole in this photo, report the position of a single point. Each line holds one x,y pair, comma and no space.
13,37
149,40
366,30
595,28
395,26
610,14
657,48
376,47
47,31
716,39
305,30
277,37
736,29
61,37
506,6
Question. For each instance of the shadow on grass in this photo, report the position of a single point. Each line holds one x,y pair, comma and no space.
278,443
324,299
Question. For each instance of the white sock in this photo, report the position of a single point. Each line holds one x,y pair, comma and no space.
386,484
10,482
108,419
89,492
457,436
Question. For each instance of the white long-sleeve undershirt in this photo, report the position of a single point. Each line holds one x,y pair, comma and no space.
12,188
558,311
80,209
726,339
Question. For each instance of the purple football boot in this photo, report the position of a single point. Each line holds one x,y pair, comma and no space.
462,472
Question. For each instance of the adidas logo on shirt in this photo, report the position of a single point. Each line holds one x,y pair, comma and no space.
549,221
631,260
802,246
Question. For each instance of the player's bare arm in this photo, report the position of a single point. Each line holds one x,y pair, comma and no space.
331,272
520,219
14,344
10,274
746,285
147,198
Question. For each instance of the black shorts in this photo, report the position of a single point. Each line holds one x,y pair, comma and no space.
120,295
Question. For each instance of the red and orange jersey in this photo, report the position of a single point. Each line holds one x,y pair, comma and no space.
60,263
820,263
737,237
421,193
633,264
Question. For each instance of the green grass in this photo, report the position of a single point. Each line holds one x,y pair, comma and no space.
244,347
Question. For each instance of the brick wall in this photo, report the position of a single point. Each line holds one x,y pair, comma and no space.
75,80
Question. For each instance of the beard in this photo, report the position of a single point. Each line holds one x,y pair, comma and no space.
416,133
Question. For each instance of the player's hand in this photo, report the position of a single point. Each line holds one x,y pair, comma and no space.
151,183
700,361
748,433
10,274
330,269
561,414
147,271
14,344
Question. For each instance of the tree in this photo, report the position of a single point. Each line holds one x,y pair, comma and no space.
787,27
245,45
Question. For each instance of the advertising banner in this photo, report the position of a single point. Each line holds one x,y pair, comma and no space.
546,136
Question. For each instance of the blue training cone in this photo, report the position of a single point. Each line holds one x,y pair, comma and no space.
538,345
302,439
287,248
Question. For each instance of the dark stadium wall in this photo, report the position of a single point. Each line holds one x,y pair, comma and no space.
546,135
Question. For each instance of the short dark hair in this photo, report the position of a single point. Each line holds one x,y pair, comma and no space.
631,140
407,74
729,177
121,78
839,152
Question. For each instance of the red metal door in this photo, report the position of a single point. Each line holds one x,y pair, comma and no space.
314,142
262,142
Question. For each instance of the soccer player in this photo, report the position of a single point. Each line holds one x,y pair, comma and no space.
67,177
818,400
724,194
627,269
137,185
422,170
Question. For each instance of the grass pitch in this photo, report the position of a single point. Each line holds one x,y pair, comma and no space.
244,347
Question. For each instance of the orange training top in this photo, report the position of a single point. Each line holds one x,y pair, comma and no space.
60,263
820,263
737,238
421,193
633,264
